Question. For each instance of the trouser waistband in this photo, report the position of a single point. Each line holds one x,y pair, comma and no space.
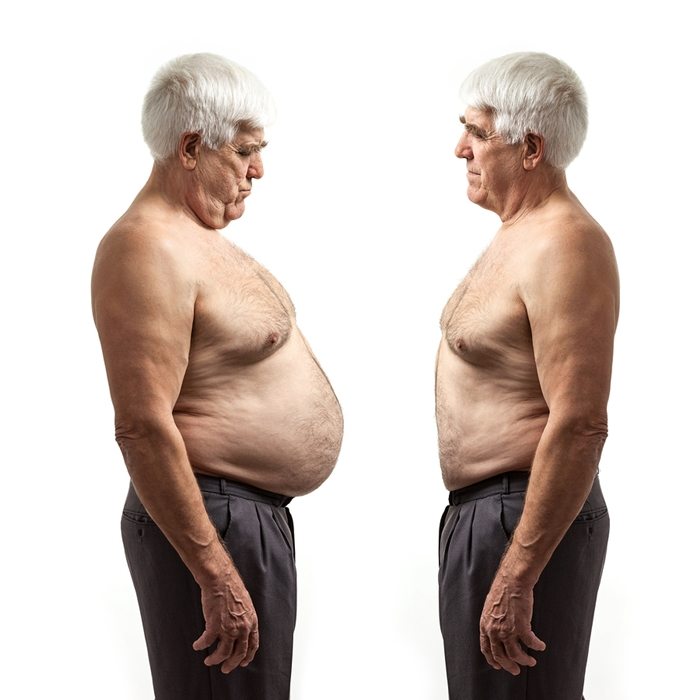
510,482
226,487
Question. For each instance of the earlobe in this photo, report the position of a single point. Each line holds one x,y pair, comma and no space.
188,150
534,151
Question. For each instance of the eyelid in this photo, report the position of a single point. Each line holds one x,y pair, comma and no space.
247,151
478,133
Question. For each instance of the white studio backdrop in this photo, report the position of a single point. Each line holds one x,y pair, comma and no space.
363,217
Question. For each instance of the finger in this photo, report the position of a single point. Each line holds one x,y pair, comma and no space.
485,644
223,651
532,641
237,655
253,644
518,654
206,640
502,658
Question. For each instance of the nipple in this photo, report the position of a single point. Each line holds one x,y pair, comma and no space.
272,339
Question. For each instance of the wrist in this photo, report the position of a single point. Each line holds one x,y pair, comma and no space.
520,566
214,564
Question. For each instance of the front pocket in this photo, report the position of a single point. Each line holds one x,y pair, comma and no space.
511,510
449,521
217,507
283,526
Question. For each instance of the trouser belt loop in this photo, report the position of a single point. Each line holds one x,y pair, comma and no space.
506,483
222,486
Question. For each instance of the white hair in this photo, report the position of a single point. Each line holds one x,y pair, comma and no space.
202,93
532,93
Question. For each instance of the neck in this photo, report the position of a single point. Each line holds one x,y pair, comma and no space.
534,190
167,184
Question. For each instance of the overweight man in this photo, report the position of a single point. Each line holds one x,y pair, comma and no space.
223,413
522,383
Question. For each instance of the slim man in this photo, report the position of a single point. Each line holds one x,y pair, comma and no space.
523,376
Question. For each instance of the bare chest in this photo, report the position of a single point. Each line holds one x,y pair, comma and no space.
242,313
485,317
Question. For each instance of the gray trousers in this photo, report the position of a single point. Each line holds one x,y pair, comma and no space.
474,532
257,529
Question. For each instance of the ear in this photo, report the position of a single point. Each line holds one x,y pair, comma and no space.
188,149
533,152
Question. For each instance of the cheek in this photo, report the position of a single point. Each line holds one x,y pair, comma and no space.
229,183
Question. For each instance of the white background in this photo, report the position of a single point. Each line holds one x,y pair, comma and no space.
362,215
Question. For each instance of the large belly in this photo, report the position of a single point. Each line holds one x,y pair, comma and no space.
275,424
488,423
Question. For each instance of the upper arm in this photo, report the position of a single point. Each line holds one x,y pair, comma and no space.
571,296
143,306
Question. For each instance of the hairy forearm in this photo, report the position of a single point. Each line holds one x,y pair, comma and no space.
156,458
563,471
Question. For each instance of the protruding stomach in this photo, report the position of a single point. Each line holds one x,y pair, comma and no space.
275,424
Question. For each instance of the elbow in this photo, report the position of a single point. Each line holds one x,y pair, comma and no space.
592,427
134,433
586,427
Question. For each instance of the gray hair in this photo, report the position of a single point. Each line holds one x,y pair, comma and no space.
532,93
202,93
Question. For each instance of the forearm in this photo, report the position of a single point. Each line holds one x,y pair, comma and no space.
563,471
156,458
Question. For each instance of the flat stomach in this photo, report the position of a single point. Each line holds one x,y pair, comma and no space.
275,424
488,423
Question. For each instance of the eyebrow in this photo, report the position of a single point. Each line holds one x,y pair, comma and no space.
474,129
251,144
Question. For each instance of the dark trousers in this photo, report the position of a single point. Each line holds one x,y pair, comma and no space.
257,529
474,532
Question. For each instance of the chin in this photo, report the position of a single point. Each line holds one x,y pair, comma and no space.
234,213
476,197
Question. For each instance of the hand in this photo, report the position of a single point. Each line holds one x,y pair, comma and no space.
230,618
505,629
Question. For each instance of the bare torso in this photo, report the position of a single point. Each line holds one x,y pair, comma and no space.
489,405
254,405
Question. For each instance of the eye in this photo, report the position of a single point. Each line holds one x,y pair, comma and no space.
476,133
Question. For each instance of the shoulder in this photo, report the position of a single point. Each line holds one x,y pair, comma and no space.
143,257
139,236
141,243
568,242
569,261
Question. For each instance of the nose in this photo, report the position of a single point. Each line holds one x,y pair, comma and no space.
464,146
255,168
